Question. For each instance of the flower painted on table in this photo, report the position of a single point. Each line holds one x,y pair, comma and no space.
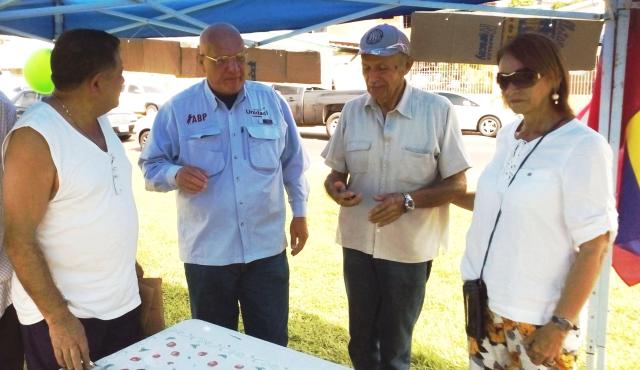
239,366
175,353
202,353
212,363
135,359
156,355
171,344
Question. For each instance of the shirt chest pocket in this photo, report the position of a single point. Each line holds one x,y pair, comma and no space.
357,156
264,147
418,166
204,151
535,188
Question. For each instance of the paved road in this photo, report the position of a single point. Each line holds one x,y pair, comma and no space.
480,150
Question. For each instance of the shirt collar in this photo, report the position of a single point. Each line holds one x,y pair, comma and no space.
212,98
403,107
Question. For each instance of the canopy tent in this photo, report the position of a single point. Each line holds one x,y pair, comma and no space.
167,18
160,18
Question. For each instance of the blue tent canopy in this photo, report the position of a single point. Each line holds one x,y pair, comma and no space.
46,19
164,18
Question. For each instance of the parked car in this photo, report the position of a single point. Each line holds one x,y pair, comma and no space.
312,106
122,121
143,128
141,98
487,120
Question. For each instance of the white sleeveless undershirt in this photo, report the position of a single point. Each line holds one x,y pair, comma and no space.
89,232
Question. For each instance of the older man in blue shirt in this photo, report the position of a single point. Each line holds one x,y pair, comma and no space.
230,147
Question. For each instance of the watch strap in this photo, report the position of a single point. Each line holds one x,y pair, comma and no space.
563,323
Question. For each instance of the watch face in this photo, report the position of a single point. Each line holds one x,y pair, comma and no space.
408,202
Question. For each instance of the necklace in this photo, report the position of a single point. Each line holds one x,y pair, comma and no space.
70,118
97,141
68,113
66,110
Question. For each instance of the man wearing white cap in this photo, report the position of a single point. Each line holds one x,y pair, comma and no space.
397,161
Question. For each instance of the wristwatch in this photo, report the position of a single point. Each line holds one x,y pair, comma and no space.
563,323
409,204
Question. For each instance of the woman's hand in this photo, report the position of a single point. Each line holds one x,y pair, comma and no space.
544,345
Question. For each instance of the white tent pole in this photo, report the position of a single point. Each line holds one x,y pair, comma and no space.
606,63
611,98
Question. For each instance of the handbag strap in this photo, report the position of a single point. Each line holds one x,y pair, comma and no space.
495,224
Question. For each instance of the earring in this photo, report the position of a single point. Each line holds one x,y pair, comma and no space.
555,97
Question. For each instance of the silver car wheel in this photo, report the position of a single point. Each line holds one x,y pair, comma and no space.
332,123
489,126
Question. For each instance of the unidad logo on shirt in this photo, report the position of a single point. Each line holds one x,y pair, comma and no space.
262,113
257,112
196,118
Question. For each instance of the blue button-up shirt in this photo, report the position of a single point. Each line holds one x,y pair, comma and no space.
251,153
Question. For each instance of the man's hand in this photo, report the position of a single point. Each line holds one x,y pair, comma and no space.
298,233
69,342
139,271
191,179
544,345
390,208
346,198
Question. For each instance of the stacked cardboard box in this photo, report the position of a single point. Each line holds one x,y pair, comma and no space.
476,38
144,55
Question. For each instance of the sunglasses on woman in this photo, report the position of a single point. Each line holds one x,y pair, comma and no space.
521,78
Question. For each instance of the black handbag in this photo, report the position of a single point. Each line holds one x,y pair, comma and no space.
475,303
474,292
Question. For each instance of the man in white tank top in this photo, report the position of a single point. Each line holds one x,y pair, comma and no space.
67,188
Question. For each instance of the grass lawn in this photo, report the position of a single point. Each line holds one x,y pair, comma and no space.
318,309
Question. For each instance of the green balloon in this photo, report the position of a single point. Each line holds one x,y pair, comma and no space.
37,71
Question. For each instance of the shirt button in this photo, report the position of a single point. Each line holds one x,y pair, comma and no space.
235,157
237,179
242,224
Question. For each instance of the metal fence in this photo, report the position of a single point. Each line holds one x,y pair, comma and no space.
477,79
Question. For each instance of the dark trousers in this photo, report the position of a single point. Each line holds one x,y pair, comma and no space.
260,287
11,351
104,337
385,300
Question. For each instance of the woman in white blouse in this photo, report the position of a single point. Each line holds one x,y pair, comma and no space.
548,193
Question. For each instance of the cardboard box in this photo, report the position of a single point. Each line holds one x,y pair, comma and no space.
303,67
472,38
189,66
145,55
283,66
265,65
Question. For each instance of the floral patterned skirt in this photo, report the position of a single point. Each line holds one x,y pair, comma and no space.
502,348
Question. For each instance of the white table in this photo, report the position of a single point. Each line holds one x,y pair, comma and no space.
196,344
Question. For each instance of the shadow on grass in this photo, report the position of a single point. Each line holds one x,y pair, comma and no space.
308,333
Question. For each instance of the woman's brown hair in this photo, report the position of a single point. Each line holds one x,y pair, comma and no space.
541,54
